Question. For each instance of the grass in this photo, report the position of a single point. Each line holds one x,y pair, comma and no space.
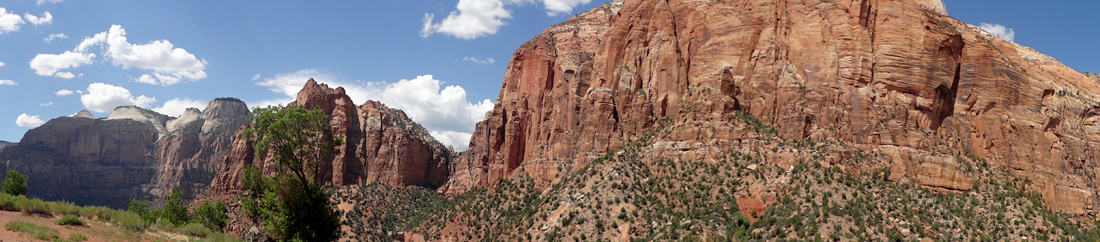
35,231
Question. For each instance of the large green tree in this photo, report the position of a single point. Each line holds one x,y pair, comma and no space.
291,204
15,183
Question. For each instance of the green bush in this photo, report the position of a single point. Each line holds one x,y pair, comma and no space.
212,215
7,202
70,220
33,206
164,225
131,221
78,237
220,237
64,208
15,183
97,212
175,209
194,229
35,231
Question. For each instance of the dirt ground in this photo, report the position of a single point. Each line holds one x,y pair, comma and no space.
95,231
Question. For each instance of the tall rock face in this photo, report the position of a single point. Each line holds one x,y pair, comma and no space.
131,153
898,80
195,146
380,145
5,144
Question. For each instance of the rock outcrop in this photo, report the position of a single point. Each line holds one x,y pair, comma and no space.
1094,76
380,145
5,144
132,153
899,81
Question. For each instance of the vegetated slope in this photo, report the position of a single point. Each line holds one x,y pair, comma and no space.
625,196
908,85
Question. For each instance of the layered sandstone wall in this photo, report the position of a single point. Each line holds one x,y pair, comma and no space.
380,145
899,80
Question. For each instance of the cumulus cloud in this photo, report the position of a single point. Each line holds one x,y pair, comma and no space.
63,92
9,21
40,2
999,30
147,79
102,97
472,19
7,82
52,37
444,110
486,61
50,64
66,75
46,18
28,121
177,106
479,18
169,64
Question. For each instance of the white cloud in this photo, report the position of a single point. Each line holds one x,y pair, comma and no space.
46,18
7,82
50,64
256,77
40,2
9,21
55,36
104,98
169,63
66,75
444,111
472,19
486,61
999,30
478,18
2,64
28,121
176,106
45,104
147,79
63,92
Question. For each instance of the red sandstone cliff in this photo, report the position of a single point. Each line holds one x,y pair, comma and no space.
901,80
380,145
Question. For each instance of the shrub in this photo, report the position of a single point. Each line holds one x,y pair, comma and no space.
64,208
35,231
70,220
131,221
78,237
33,206
214,216
7,202
97,212
15,183
175,209
194,229
220,237
164,225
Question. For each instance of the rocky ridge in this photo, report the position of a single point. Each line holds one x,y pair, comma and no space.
380,145
899,83
131,153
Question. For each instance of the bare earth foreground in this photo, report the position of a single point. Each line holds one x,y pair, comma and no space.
95,231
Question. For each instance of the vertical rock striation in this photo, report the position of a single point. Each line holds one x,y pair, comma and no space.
901,80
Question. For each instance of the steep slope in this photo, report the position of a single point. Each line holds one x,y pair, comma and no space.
380,145
131,153
5,144
900,84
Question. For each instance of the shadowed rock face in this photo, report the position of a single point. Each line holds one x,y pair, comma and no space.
132,153
380,145
5,144
899,80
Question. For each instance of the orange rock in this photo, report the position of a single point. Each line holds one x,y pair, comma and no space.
900,79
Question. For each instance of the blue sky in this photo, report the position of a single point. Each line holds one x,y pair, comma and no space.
169,55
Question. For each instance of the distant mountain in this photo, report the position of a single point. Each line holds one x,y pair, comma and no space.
132,153
5,144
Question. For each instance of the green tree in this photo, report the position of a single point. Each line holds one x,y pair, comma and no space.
212,215
291,204
16,183
175,209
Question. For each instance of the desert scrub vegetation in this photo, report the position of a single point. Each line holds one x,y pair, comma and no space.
35,231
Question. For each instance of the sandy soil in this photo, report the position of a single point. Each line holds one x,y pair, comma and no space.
95,231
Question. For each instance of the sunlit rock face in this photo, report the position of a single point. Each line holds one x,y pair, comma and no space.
132,153
380,145
898,80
